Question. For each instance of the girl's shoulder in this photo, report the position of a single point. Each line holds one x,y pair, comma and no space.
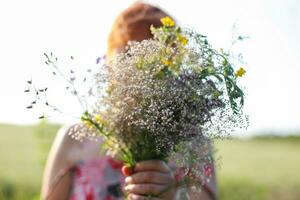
67,144
65,153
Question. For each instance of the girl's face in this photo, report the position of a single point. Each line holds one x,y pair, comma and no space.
135,35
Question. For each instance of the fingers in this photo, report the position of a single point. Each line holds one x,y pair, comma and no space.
152,165
140,197
142,189
150,177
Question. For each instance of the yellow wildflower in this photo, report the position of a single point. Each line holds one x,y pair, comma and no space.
167,62
89,124
183,40
99,119
167,21
241,72
109,143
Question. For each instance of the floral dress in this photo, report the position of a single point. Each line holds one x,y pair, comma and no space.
98,179
101,179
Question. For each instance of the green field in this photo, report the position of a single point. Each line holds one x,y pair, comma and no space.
261,168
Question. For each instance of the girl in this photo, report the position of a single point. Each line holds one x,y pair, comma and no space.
76,171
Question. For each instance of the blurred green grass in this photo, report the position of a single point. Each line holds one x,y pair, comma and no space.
260,168
263,168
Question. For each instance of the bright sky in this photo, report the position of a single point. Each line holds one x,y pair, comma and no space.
79,28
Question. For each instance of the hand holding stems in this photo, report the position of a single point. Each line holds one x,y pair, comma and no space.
151,178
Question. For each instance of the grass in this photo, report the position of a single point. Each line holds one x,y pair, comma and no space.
259,169
23,150
263,168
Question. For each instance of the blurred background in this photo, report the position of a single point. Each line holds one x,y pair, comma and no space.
261,162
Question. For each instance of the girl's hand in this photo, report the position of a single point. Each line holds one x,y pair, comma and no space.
150,178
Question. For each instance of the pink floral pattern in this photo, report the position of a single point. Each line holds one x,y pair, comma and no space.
98,179
101,179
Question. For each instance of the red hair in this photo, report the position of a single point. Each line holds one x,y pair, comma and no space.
133,24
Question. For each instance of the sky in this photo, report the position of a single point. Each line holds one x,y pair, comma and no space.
80,28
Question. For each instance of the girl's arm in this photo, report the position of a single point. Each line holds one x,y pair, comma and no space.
57,178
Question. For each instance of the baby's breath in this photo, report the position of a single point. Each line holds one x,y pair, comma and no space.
168,98
165,98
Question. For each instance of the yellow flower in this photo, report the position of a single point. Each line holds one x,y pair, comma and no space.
241,72
167,62
99,119
89,124
183,40
109,143
167,21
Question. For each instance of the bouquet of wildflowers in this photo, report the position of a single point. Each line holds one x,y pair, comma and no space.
166,98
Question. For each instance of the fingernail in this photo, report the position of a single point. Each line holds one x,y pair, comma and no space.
126,188
127,179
